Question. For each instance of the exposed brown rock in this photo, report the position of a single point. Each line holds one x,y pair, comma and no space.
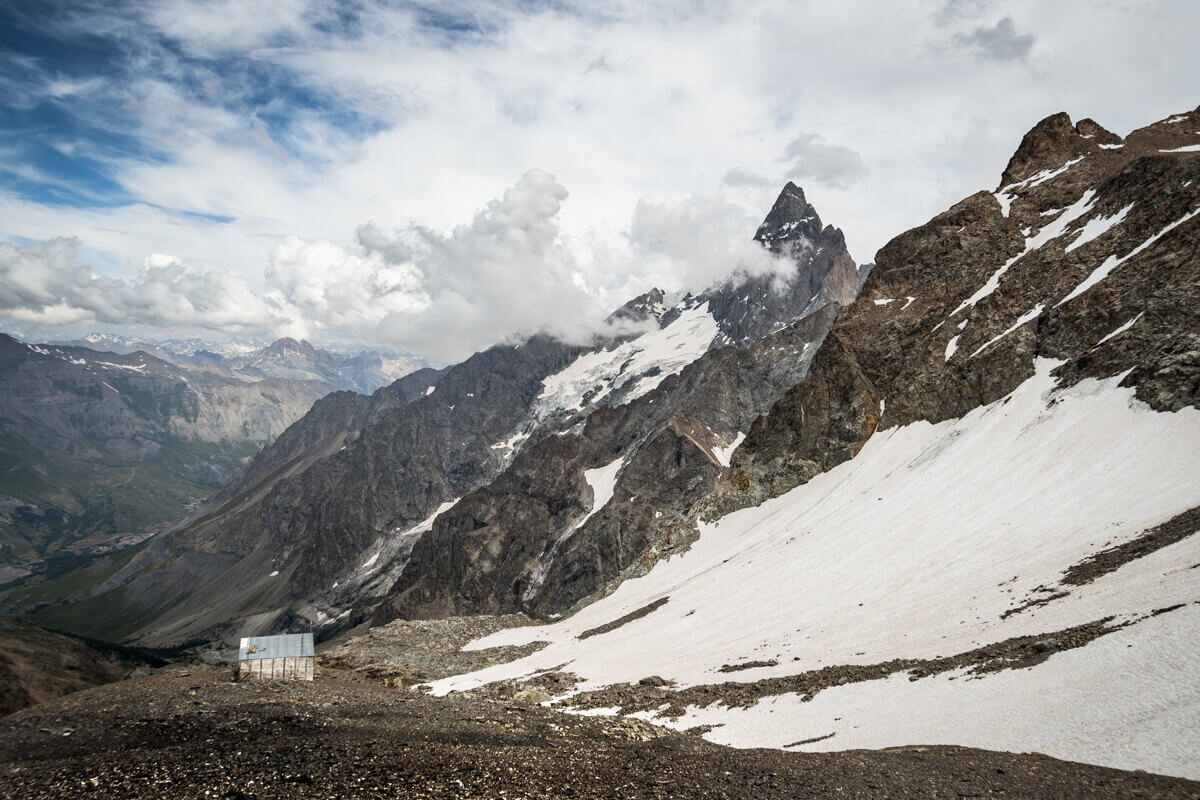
1048,144
1173,530
625,620
1090,129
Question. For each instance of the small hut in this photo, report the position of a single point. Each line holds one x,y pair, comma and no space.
287,656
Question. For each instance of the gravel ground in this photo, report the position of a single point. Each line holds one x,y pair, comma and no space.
405,653
193,733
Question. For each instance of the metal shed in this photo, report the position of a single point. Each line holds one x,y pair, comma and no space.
288,656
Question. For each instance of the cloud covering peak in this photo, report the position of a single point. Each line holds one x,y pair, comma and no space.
507,273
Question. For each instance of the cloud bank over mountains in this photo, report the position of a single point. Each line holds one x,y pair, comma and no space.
380,171
507,273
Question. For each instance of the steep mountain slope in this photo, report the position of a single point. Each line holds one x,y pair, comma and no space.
578,511
291,535
323,524
975,521
101,445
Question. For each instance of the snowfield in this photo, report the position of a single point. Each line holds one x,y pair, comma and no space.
603,482
663,352
914,549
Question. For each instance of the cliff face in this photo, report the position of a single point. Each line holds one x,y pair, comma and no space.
578,512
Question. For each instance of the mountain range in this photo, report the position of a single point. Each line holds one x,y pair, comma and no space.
100,447
361,370
974,521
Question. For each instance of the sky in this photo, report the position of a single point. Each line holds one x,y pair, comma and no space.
436,178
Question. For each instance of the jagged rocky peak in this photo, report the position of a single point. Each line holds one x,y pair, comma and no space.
1090,129
1047,144
1053,142
792,217
650,305
750,306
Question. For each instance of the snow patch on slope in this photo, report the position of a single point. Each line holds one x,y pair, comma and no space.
1031,314
603,481
1051,230
1075,706
724,454
427,523
1005,201
1118,331
1095,228
1112,262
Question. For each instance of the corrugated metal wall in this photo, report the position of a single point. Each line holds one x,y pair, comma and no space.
299,669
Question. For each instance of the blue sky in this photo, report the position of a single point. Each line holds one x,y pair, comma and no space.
72,114
384,173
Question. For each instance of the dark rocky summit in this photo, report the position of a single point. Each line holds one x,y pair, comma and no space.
751,307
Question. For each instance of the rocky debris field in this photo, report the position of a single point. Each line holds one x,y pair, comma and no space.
193,732
405,653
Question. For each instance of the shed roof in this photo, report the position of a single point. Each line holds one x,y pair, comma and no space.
287,645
